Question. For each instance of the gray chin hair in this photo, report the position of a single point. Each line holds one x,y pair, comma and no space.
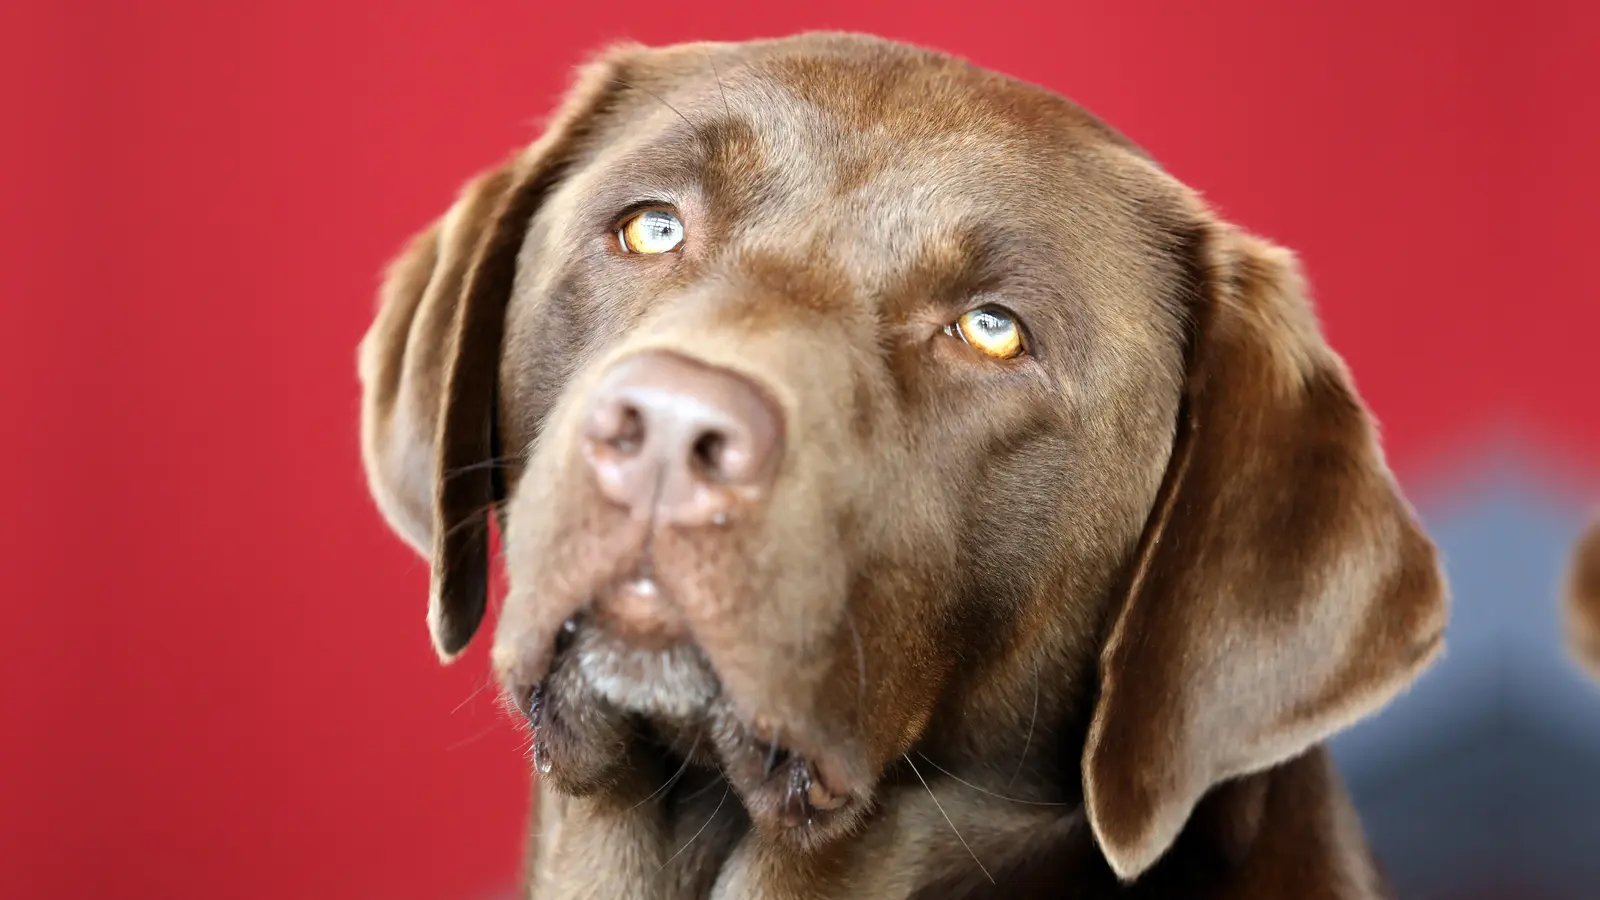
674,684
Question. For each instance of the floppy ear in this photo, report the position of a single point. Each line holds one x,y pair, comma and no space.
429,364
1282,588
1583,599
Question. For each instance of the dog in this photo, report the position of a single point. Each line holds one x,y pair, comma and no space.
1583,600
905,488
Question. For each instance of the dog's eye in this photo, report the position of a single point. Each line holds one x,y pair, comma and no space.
650,231
992,331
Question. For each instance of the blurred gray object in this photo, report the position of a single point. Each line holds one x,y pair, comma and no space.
1484,780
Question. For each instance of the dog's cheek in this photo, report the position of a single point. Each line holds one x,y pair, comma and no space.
896,656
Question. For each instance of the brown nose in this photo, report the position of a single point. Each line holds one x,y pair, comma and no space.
681,442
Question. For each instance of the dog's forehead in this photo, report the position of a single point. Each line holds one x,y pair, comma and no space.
888,117
868,86
868,149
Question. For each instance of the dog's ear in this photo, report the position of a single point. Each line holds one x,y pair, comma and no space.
1583,599
429,363
1282,589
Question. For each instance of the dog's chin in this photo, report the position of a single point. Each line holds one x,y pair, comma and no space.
614,719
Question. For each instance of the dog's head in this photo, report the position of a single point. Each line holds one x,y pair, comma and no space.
1583,599
817,382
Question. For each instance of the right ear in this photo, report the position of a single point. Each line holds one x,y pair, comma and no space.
1583,600
1283,589
429,364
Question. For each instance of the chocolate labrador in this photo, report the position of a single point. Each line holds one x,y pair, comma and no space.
1583,599
906,489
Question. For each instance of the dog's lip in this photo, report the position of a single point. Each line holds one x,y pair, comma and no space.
826,771
819,792
526,657
828,783
804,797
523,673
639,611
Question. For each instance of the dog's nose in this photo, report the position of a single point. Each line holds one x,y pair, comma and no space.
681,442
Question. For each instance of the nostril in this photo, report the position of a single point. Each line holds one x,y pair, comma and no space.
617,423
708,455
628,436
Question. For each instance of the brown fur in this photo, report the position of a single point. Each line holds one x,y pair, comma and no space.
1074,624
1583,599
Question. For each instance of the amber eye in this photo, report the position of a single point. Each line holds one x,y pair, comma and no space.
651,231
992,331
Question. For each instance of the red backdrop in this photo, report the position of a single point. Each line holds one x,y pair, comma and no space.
217,681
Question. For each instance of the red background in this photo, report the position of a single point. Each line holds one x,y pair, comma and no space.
217,681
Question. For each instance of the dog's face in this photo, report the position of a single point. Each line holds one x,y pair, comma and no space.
818,382
918,357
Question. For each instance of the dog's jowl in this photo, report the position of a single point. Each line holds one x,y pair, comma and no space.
907,489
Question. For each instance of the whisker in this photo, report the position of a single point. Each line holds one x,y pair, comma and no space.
713,61
658,97
476,516
1028,741
772,757
488,681
491,463
477,737
647,552
861,666
947,818
946,773
709,820
706,787
675,776
508,705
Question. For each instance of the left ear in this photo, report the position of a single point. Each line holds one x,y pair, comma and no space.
1583,599
1282,588
429,364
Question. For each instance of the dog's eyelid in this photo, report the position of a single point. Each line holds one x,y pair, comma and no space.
644,205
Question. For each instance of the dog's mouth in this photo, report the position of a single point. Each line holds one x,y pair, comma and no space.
626,678
779,784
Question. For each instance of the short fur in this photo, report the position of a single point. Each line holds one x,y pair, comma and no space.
1071,625
1583,599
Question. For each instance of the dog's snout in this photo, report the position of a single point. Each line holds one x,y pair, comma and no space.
679,441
